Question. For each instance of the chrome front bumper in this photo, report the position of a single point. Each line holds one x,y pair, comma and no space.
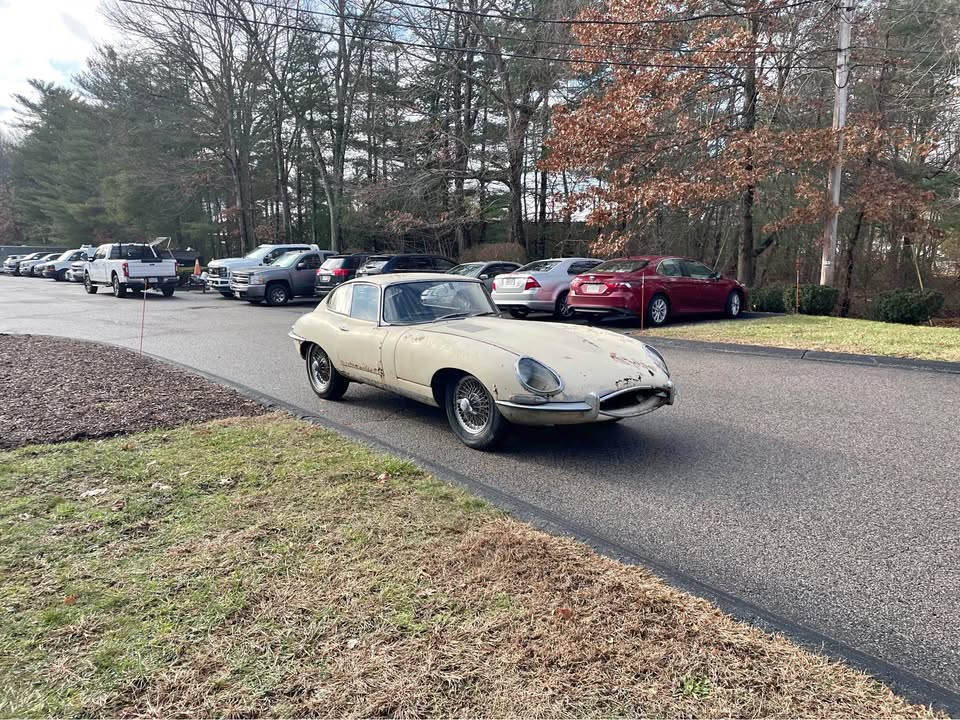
587,410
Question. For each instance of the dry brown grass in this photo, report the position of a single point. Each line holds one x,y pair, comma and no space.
505,251
318,578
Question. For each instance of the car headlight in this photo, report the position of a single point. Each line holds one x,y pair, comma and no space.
256,279
537,377
657,359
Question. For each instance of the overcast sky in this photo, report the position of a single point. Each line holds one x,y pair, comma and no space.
45,39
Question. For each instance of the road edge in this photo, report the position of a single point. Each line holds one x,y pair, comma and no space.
904,682
882,361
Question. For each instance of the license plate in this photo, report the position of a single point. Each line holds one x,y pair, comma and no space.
324,278
591,289
236,293
153,280
509,282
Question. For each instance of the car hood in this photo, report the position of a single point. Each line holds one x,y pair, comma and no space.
587,358
233,263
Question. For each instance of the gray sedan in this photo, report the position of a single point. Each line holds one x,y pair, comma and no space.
540,286
485,271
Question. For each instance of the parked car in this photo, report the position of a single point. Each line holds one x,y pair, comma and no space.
9,262
60,266
218,271
130,266
385,264
485,271
540,286
337,269
656,287
290,275
394,332
28,268
77,269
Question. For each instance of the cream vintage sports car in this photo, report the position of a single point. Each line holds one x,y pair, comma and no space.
439,339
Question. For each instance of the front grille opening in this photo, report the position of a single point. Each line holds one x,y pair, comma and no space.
627,400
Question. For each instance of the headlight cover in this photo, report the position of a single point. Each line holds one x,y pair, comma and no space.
256,279
537,377
657,358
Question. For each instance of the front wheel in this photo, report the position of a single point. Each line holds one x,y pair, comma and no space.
657,310
473,415
119,288
60,276
89,286
734,305
278,294
326,382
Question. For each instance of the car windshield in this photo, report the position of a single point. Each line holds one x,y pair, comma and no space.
334,263
66,255
467,269
287,260
620,266
375,263
426,301
259,253
539,266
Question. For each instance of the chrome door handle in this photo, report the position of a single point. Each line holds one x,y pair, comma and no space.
344,329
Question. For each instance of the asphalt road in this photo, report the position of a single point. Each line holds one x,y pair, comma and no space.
827,495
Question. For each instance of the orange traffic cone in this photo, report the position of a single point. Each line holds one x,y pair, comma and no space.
196,267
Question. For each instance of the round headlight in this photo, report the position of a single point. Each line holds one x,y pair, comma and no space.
537,377
657,359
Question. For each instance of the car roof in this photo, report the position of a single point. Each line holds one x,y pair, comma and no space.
400,278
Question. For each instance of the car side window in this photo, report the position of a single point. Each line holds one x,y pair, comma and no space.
697,270
366,302
442,264
339,300
582,266
101,252
311,262
402,262
420,263
272,255
669,268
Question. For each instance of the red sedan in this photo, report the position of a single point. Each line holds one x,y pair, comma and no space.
657,287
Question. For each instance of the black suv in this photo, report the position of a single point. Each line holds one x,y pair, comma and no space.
382,264
337,269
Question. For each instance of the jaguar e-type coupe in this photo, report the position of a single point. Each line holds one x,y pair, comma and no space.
439,339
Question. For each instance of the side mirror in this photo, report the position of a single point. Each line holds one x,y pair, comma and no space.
86,257
715,276
301,266
484,277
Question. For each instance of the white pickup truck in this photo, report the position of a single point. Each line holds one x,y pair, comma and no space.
130,266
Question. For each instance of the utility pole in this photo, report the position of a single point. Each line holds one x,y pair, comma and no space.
842,81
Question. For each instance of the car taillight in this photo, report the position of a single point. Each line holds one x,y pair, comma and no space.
126,269
341,272
531,283
618,285
493,285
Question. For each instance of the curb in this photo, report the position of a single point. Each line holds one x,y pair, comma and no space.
911,686
881,361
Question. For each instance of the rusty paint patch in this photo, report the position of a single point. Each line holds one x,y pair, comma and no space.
634,363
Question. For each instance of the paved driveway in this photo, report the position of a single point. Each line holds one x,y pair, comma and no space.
824,496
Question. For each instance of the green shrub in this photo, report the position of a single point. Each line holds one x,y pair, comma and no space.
814,299
910,307
768,299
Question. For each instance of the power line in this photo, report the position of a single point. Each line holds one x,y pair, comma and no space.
446,48
578,21
393,22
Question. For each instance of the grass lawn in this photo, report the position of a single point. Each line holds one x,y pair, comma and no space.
807,332
267,567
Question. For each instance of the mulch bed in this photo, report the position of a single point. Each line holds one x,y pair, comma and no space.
55,390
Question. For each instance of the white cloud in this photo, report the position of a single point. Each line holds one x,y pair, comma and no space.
48,40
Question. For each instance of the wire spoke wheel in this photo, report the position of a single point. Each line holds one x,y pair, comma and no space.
473,405
321,371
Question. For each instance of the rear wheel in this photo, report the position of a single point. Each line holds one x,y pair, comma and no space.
119,288
473,414
734,304
657,310
89,286
563,311
277,294
168,290
326,382
519,312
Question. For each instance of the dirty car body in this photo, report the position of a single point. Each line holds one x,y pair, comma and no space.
441,341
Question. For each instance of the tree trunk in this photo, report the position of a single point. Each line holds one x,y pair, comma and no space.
745,256
849,257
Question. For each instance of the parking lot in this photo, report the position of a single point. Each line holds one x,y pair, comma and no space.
823,495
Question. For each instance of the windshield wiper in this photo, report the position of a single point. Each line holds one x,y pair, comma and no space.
463,314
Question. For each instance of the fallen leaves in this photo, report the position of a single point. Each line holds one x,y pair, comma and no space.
93,493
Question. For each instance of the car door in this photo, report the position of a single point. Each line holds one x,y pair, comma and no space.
304,274
705,287
98,266
680,291
360,335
